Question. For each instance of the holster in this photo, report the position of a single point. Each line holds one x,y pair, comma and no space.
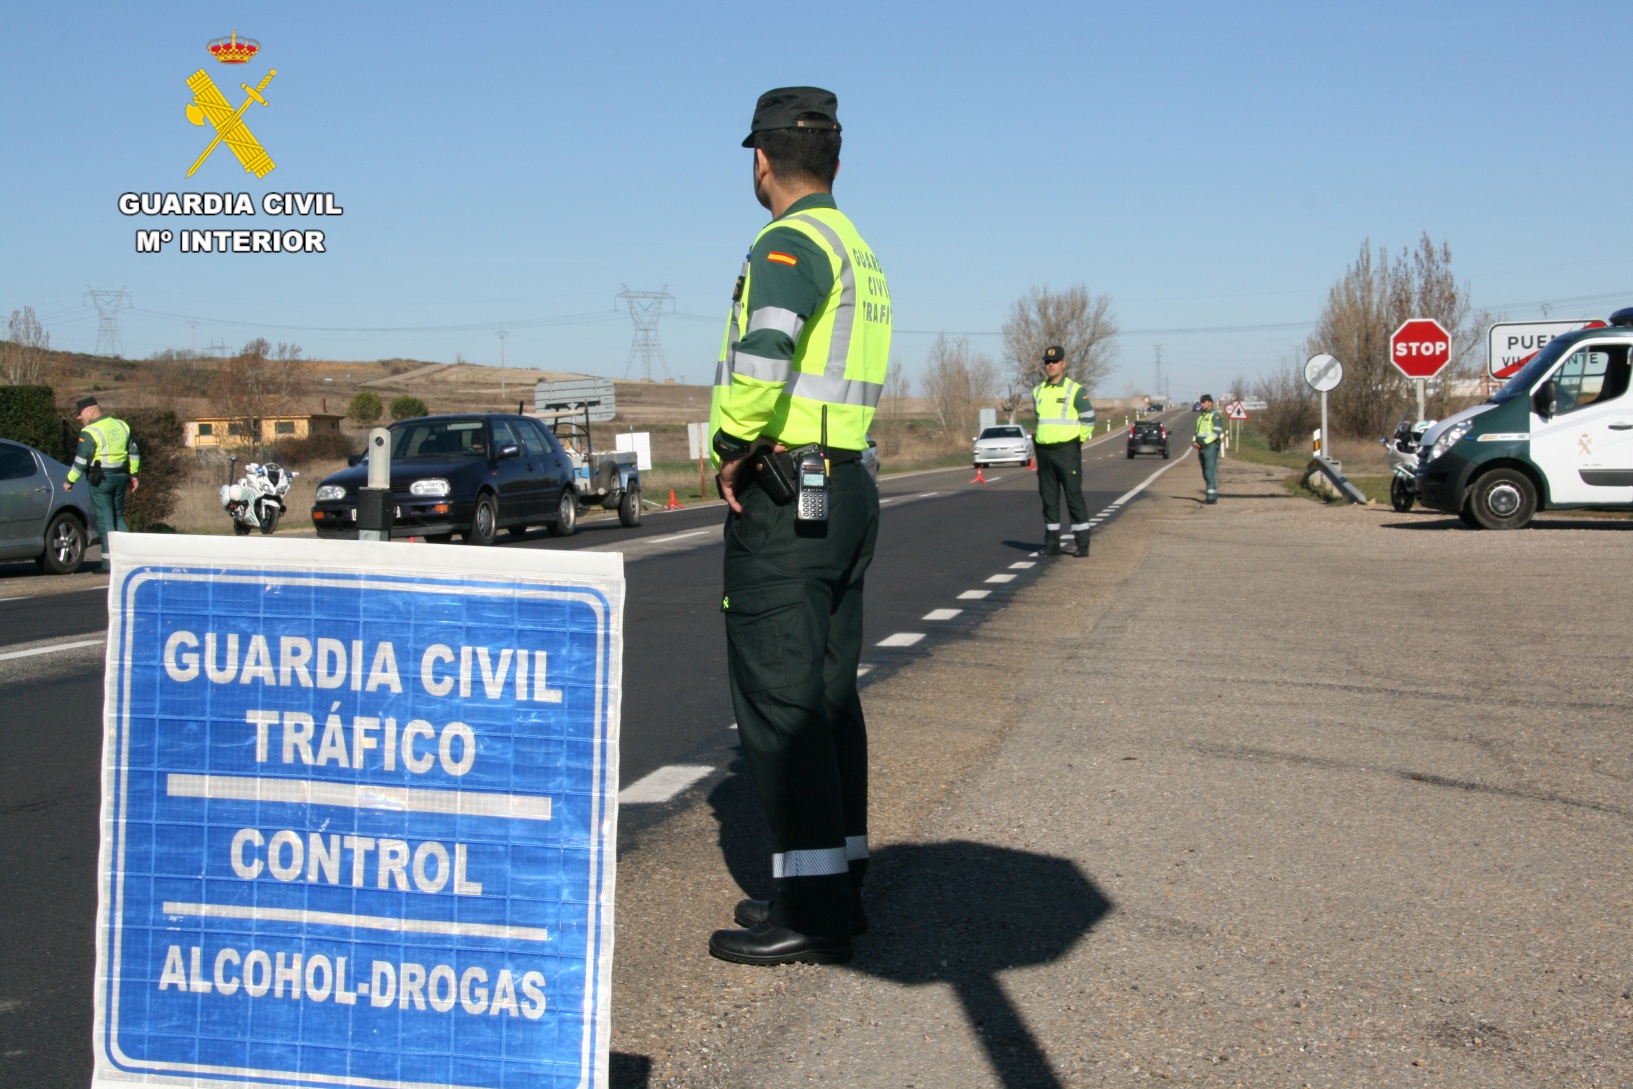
95,474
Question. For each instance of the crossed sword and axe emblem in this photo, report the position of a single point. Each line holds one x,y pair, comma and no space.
209,104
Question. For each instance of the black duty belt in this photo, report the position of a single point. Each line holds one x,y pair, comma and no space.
1067,442
835,457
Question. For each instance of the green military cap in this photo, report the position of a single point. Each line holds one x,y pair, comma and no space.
83,403
783,109
1054,354
1205,397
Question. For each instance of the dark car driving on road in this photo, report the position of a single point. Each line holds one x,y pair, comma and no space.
469,474
1148,437
40,521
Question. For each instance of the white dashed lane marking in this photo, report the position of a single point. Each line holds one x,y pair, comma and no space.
901,639
1022,565
1001,578
662,784
941,614
974,595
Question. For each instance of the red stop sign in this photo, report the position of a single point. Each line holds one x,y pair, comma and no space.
1420,348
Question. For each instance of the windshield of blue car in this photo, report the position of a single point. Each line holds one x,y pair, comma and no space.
1003,433
439,439
1526,377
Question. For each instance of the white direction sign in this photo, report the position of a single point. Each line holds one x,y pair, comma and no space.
1511,344
358,815
1322,373
1236,411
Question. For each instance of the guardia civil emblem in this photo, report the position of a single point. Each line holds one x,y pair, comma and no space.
210,106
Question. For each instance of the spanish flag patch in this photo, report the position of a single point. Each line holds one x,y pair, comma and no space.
782,258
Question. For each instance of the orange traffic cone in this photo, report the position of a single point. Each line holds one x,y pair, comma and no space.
673,504
980,478
1033,465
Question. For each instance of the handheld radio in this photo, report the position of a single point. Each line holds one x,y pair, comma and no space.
813,480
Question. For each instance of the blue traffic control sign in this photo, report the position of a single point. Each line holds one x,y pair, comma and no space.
358,817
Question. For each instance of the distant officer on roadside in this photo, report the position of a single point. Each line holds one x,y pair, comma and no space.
108,458
1210,429
1065,419
803,363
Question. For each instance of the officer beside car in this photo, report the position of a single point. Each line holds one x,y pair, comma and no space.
1210,430
805,357
109,460
1065,419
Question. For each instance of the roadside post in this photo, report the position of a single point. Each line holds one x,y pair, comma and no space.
1322,373
697,448
359,811
1420,349
374,508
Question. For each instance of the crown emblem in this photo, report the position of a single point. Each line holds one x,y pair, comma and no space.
234,50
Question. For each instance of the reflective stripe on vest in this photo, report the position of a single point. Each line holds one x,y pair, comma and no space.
1062,424
841,353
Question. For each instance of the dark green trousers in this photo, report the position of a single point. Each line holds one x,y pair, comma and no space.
108,508
793,608
1060,468
1209,456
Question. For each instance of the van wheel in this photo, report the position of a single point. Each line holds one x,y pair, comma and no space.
629,507
1466,516
1503,499
1401,495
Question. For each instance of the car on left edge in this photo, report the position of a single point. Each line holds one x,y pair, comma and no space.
471,474
1002,444
39,520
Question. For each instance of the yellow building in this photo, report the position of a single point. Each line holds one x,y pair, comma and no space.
217,432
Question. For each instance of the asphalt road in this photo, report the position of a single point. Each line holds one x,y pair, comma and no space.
940,537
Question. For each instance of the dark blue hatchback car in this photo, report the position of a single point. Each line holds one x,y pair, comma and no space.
472,475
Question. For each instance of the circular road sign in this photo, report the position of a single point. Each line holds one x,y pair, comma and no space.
1420,348
1323,373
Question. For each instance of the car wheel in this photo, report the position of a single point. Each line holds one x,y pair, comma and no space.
64,545
484,521
566,515
516,531
269,519
1401,495
1131,455
1503,499
629,507
1165,453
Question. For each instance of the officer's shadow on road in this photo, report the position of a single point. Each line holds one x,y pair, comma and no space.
954,913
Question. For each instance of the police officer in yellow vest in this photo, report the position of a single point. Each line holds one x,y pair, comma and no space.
1065,419
108,458
800,374
1210,429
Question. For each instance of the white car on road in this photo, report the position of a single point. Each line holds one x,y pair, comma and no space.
1003,444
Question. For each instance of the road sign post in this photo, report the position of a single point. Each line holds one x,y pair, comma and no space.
359,814
1322,373
1420,349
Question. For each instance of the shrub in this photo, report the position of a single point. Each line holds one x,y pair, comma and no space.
158,434
407,408
318,446
29,414
365,408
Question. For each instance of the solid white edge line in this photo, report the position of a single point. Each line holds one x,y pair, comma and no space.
663,784
1148,481
52,649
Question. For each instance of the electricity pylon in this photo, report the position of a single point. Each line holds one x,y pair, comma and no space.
645,307
107,305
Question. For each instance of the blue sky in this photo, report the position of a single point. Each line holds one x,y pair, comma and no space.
515,166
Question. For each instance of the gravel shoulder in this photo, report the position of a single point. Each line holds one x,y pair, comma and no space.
1265,794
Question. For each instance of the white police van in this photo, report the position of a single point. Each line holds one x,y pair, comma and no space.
1557,436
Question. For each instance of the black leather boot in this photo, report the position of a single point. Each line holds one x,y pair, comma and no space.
767,943
1051,544
755,912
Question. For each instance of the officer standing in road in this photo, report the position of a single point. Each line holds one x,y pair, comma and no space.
109,459
1210,429
803,363
1065,419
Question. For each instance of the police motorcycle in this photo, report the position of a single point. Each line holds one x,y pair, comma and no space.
1402,452
257,500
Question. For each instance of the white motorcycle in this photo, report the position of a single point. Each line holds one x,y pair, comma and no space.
1402,452
257,500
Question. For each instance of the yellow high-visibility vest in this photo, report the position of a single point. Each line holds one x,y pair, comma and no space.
840,356
1056,406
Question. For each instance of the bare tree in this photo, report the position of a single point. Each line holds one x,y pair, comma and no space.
1077,321
1290,413
897,389
958,384
250,387
25,357
1374,297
